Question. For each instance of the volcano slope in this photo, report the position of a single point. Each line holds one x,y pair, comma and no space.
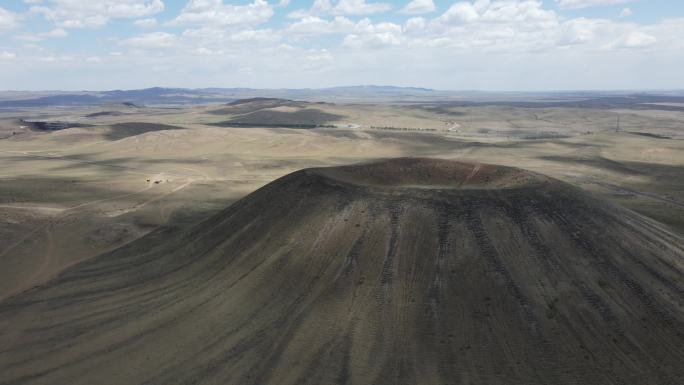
407,271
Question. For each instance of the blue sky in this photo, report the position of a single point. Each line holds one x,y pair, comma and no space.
481,44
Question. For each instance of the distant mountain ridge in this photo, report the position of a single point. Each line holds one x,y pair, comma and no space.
161,96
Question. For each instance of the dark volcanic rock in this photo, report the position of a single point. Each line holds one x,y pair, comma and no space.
53,125
409,271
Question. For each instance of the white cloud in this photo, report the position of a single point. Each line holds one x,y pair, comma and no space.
317,60
512,26
5,55
378,35
313,26
151,40
359,7
506,25
357,34
215,13
634,39
502,11
56,58
474,44
319,7
208,52
627,12
460,13
415,23
216,39
95,13
255,36
55,33
341,8
669,34
578,4
8,20
582,31
418,6
146,23
318,56
482,25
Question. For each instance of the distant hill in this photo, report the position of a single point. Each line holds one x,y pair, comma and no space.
175,96
269,101
158,96
373,88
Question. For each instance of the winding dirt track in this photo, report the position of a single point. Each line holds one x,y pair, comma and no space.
400,272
